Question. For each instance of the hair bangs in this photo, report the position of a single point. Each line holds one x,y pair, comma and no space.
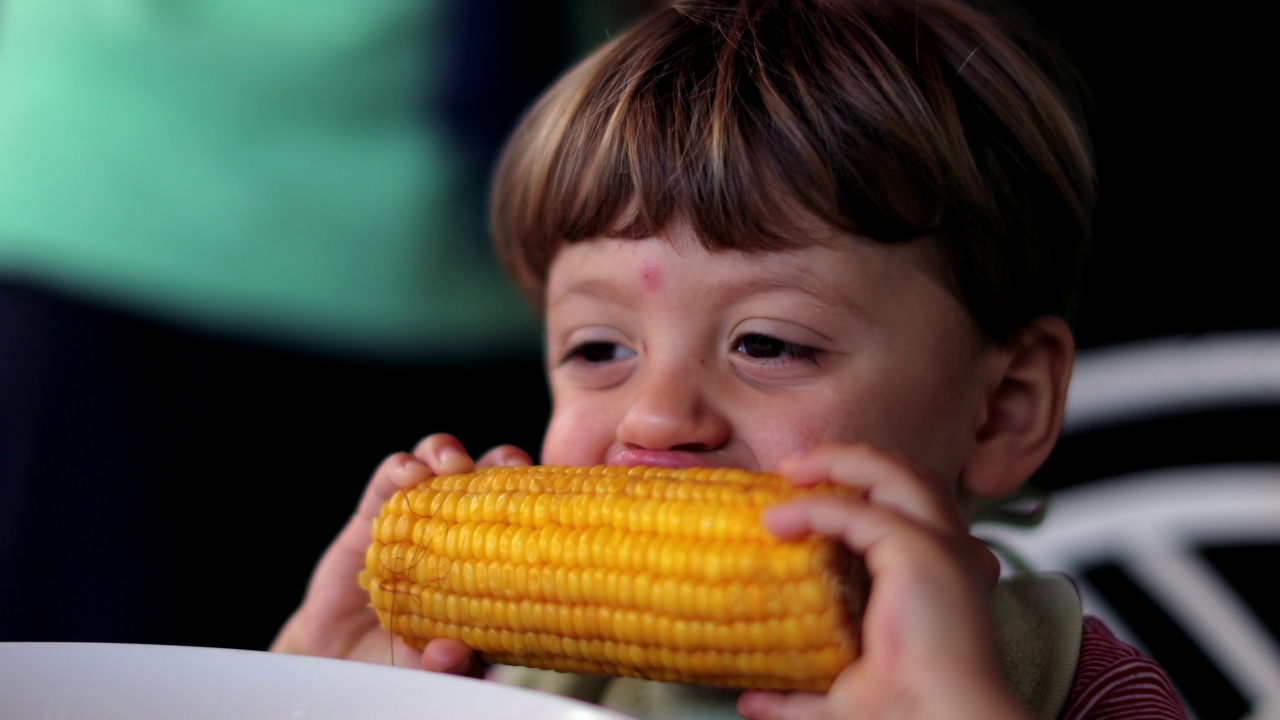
678,122
770,124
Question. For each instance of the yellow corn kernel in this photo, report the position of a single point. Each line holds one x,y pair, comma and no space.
645,572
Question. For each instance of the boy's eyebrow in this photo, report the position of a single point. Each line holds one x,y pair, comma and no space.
774,279
602,289
796,280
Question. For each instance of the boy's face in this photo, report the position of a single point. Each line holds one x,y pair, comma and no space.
661,353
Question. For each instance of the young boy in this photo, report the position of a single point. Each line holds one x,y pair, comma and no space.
836,239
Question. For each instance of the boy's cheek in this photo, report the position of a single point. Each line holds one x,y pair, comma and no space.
576,439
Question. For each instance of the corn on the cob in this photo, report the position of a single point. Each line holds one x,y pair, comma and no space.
630,571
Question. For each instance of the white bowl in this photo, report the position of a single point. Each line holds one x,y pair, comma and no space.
107,681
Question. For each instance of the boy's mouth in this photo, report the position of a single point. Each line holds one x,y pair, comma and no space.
660,458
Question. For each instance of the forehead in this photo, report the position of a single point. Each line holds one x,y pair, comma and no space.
848,272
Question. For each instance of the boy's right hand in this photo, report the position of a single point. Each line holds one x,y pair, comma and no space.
929,645
334,619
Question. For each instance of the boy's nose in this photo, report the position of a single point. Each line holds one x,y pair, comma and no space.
673,409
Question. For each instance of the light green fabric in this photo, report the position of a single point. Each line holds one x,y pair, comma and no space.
256,166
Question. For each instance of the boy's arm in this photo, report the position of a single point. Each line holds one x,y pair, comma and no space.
928,637
334,619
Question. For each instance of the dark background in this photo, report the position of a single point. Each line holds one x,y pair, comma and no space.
1181,125
1184,246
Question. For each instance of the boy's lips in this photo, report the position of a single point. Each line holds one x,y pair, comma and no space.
659,458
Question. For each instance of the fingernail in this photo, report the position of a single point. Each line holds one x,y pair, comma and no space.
451,459
407,465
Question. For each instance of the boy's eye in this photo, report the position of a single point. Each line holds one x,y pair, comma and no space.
764,347
597,352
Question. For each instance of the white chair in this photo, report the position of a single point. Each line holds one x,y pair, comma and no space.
1153,529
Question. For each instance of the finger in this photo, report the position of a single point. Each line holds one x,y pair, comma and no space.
402,655
377,646
450,656
935,565
887,540
888,479
796,523
859,525
397,472
761,705
444,454
505,456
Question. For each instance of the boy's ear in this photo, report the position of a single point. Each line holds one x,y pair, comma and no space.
1024,410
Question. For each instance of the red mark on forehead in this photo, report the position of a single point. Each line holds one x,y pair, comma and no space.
650,276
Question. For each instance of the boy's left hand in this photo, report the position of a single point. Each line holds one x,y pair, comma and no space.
334,619
928,637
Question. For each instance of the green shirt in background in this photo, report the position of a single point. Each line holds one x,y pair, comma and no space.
267,168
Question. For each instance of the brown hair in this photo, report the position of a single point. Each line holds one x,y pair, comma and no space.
890,119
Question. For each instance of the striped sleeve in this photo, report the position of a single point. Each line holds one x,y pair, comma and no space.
1115,680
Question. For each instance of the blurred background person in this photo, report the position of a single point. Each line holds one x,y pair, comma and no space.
227,229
